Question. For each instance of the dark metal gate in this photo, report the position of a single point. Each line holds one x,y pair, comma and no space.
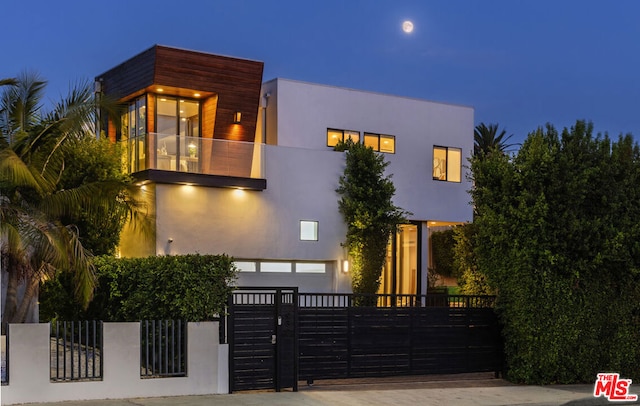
278,336
263,339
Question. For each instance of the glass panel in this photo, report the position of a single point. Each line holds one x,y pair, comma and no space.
454,164
189,118
354,135
333,137
388,144
141,107
166,122
308,230
439,163
372,140
275,267
386,279
245,266
311,267
407,256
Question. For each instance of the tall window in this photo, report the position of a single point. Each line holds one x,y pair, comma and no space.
334,136
178,128
134,132
380,142
447,164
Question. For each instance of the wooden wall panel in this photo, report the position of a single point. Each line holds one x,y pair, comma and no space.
236,81
235,84
130,77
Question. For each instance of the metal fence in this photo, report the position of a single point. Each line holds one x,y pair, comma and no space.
344,300
4,354
76,350
163,351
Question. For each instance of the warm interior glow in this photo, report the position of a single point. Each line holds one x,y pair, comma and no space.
196,95
160,90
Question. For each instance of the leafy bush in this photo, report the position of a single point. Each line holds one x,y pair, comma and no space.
189,287
557,233
442,251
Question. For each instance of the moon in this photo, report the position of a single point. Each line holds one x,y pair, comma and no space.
407,26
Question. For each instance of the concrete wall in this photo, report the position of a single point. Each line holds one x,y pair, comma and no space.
29,366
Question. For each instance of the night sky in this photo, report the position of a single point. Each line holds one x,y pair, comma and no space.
518,63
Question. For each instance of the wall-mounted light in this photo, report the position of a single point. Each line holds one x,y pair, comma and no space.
170,240
345,265
237,117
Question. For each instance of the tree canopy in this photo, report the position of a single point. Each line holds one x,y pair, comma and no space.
557,234
40,202
487,139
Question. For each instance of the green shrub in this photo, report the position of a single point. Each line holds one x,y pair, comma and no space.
557,235
189,287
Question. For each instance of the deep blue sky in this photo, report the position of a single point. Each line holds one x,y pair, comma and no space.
518,63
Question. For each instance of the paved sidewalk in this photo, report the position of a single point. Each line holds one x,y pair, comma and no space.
478,391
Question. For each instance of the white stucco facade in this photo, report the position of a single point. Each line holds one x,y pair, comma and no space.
302,174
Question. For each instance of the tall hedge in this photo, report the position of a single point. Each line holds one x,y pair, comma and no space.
366,204
189,287
558,235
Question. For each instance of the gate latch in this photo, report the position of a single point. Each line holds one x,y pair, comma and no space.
273,339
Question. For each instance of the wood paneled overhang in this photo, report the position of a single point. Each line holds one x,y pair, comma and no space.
235,82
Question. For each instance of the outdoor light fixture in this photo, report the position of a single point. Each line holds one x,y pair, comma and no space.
345,265
237,116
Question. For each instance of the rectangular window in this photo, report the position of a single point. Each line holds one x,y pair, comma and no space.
276,267
380,142
308,230
245,266
447,164
334,136
311,267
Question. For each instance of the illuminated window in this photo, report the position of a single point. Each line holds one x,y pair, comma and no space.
308,230
447,164
311,267
245,266
380,142
334,136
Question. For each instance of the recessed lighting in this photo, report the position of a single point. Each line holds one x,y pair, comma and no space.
196,95
163,99
160,90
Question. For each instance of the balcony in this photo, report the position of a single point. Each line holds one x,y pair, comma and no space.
170,158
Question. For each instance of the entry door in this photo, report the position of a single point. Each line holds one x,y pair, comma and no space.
263,339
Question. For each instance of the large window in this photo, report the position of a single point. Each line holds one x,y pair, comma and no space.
380,142
134,133
447,164
178,128
334,136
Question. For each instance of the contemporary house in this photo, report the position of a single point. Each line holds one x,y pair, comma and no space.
233,165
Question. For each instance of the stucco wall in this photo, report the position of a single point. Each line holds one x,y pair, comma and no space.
305,111
29,366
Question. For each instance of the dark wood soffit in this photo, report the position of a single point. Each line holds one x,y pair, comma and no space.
197,179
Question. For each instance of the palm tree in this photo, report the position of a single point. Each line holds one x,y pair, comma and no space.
35,240
487,139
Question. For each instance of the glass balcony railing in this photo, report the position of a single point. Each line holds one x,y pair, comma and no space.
194,155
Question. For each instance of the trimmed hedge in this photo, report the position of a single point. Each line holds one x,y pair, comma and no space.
558,236
188,287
